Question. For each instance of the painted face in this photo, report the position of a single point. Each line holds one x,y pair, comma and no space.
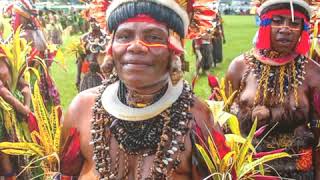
141,54
285,33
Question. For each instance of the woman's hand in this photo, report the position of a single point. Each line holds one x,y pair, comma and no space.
262,113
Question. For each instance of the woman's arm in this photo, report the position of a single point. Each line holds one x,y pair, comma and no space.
25,91
14,102
71,160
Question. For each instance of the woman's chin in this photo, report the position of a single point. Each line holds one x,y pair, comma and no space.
136,83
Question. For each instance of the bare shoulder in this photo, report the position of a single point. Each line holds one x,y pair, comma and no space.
235,72
200,109
237,66
80,106
203,115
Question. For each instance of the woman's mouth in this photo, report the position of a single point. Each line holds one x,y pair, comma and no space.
136,65
284,40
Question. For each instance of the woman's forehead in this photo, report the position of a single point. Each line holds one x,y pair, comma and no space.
287,16
142,26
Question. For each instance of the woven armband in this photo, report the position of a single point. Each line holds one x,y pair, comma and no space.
315,123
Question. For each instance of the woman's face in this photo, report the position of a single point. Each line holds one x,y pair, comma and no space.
285,33
140,53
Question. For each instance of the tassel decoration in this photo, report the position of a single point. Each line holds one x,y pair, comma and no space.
264,39
303,45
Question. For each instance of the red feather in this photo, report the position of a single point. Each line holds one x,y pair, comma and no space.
32,123
220,142
261,154
261,177
213,81
71,153
34,52
198,132
260,131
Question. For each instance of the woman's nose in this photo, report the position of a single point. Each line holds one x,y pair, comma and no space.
137,46
286,26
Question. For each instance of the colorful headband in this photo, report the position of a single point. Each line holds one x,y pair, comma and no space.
171,4
264,36
174,40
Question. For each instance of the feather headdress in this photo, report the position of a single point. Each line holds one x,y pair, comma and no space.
196,15
184,18
23,8
96,9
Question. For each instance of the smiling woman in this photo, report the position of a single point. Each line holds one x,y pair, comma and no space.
135,53
279,86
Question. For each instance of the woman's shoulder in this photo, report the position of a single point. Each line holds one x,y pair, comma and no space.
238,64
200,108
83,102
203,116
87,95
237,68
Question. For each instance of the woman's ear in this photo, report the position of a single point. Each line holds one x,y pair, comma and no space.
175,69
109,45
109,49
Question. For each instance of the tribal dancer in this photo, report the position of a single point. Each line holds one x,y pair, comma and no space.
218,39
19,99
280,87
25,15
95,43
141,123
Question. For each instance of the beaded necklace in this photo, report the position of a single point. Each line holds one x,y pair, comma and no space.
97,44
276,80
173,124
135,136
123,96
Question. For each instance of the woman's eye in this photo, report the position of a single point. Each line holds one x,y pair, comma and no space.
155,38
122,37
295,23
276,20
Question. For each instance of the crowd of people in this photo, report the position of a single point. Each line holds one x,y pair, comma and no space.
58,23
135,117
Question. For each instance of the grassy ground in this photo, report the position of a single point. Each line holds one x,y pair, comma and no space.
239,31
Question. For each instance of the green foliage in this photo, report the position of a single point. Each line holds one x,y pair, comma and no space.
66,79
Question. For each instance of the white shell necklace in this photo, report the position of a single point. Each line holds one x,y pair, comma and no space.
112,104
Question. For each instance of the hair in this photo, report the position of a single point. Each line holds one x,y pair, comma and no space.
286,6
156,11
